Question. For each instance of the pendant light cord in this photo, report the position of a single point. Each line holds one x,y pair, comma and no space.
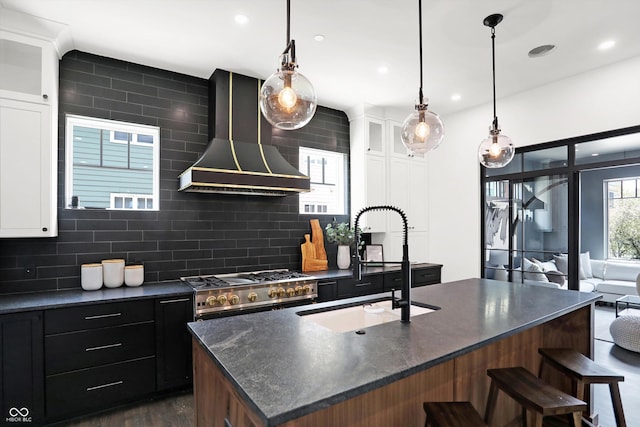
291,44
493,58
288,22
421,97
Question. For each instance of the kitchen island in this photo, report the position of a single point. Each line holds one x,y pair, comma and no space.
278,369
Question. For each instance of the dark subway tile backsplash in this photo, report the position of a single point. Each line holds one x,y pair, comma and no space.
191,233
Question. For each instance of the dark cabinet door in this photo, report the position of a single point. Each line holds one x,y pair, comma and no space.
22,368
327,291
371,284
426,276
173,342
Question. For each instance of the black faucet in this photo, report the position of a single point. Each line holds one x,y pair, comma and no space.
404,302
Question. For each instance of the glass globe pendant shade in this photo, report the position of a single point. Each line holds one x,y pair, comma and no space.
287,99
422,131
496,150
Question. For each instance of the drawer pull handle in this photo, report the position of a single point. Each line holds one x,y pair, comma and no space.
174,300
102,316
359,285
102,347
105,385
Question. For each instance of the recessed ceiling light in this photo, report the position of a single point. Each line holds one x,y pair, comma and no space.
607,44
594,155
542,50
456,97
319,37
241,19
383,69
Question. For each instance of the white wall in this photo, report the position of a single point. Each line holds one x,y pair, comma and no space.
596,101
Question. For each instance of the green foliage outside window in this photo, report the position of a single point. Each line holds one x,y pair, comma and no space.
624,228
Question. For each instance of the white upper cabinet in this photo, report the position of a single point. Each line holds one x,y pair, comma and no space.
28,69
28,136
375,136
368,171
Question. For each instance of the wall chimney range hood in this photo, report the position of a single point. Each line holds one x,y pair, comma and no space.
236,160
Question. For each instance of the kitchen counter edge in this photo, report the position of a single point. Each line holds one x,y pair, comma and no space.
15,303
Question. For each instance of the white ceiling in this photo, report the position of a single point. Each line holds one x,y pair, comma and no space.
197,36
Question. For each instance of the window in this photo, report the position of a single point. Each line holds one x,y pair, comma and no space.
327,172
111,164
623,218
131,201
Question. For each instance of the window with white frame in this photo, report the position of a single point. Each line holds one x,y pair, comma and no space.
623,217
327,172
111,164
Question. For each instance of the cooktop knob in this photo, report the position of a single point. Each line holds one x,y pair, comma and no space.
234,299
299,290
307,289
222,299
291,292
211,300
253,297
281,292
273,292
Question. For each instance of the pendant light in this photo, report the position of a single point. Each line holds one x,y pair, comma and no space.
422,130
497,150
287,98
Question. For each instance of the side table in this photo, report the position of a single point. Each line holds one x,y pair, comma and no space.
627,302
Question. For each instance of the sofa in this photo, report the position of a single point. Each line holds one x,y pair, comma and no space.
611,278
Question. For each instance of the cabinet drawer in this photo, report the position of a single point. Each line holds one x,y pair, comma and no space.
97,388
368,285
85,349
97,316
327,291
393,281
427,276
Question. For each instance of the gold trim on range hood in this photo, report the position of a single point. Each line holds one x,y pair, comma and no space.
239,167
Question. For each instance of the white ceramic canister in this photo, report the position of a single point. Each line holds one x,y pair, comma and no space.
134,275
91,276
113,272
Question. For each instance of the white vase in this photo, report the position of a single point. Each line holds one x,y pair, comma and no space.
344,257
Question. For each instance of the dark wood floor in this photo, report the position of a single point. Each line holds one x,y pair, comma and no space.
171,411
177,411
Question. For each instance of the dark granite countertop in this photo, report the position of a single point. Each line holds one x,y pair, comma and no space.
13,303
286,367
334,274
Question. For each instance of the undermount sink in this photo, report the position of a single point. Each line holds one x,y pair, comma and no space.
353,317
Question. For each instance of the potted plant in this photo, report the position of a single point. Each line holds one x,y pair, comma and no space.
344,235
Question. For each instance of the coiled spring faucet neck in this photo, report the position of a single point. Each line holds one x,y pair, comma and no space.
404,303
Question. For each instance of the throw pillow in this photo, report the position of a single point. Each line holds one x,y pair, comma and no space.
534,272
546,265
562,262
555,277
585,264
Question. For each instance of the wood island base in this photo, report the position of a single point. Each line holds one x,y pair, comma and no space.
400,403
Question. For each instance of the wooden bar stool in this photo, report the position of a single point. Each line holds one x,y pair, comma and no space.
451,414
584,371
532,394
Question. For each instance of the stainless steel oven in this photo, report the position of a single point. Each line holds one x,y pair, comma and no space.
239,293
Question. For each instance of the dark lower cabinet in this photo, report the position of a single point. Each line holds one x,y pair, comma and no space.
426,275
101,355
371,284
327,290
21,369
98,356
173,342
102,387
